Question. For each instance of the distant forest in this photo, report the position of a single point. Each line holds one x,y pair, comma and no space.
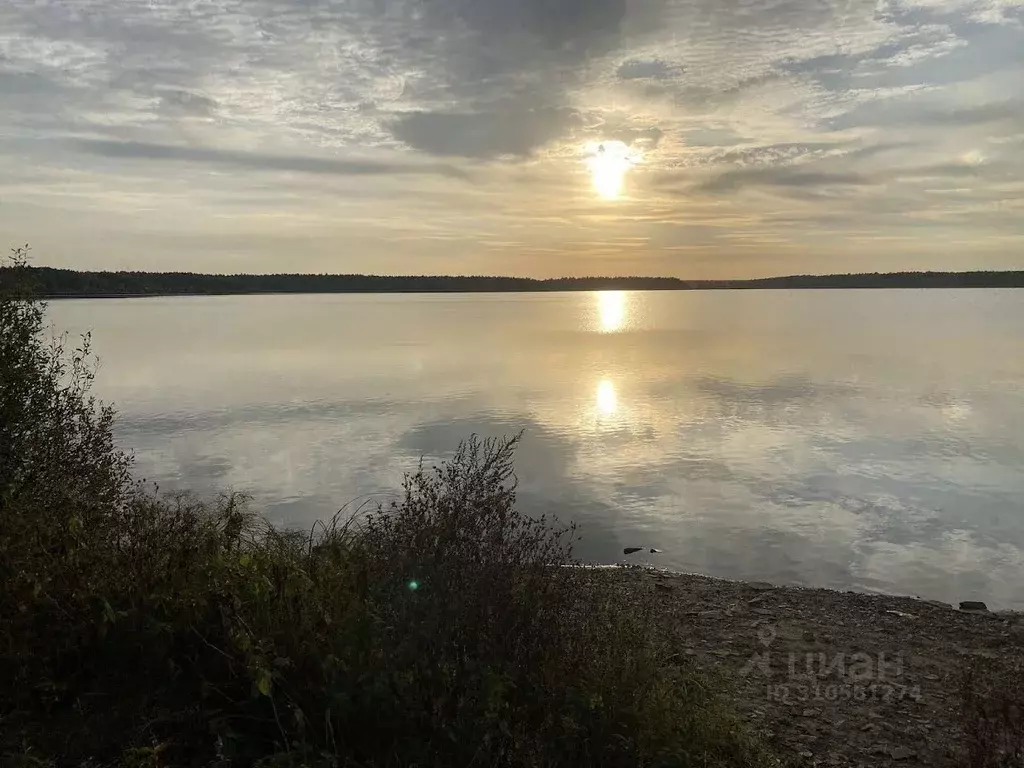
66,283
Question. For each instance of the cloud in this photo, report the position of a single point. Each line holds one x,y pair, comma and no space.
1002,116
776,154
187,103
731,181
135,150
512,130
798,99
645,138
958,116
570,24
940,171
808,168
649,69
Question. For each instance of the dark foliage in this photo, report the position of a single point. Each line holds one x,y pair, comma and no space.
64,282
447,629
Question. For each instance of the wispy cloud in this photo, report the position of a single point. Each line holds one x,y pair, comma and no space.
793,125
137,150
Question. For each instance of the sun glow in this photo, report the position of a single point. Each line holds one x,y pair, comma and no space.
608,162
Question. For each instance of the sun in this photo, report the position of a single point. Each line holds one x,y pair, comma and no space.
608,162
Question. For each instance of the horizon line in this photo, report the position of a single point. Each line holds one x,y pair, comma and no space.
533,279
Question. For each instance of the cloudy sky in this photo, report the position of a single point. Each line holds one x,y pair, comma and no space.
697,138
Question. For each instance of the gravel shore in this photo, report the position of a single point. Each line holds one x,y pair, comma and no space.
834,678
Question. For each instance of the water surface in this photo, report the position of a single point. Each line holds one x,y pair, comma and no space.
871,440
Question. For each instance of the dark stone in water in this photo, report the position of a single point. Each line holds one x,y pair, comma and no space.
655,551
973,605
761,586
631,550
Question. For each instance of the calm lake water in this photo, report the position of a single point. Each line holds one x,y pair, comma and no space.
871,440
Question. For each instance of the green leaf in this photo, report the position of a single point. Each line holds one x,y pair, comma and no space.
263,682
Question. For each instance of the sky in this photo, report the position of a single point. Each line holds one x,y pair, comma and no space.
696,138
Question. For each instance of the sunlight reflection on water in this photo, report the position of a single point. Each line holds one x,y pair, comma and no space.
607,401
612,310
859,439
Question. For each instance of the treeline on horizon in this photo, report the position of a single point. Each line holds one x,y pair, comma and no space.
56,283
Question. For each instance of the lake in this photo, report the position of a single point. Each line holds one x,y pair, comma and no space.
868,440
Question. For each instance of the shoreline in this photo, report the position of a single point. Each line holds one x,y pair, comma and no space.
809,587
400,291
832,678
653,569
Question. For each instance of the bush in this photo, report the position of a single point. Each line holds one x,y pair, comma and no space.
445,629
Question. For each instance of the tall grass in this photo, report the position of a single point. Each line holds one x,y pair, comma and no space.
442,630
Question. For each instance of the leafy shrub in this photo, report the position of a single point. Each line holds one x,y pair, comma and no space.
445,629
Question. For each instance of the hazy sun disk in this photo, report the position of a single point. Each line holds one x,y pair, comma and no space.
608,162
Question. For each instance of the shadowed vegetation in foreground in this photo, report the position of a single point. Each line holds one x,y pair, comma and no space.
440,631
